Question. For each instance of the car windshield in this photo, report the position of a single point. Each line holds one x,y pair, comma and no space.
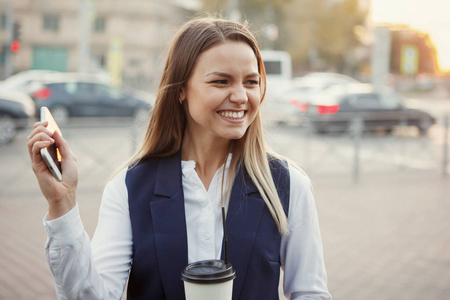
327,97
389,100
111,92
330,77
19,81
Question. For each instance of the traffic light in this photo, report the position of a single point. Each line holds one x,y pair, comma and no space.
16,32
15,45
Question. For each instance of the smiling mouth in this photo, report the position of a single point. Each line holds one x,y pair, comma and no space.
233,115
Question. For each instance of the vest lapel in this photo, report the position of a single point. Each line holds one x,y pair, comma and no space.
243,217
169,223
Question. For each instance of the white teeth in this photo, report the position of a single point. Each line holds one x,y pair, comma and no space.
232,115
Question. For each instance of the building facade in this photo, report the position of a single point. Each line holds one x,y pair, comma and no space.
132,33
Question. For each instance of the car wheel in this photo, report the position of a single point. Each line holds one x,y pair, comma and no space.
424,125
60,113
8,129
321,130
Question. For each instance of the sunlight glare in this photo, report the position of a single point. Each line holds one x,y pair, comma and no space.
430,16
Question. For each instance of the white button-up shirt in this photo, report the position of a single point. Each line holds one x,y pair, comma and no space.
99,270
203,214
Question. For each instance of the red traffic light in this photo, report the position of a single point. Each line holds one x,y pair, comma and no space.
15,46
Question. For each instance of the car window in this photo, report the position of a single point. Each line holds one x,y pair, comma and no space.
70,88
79,89
365,101
326,99
105,91
389,101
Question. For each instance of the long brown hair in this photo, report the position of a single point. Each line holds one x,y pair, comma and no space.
166,127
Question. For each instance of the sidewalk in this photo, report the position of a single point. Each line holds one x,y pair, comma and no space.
384,238
387,237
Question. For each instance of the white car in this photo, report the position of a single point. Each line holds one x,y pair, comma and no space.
17,110
21,81
290,102
306,87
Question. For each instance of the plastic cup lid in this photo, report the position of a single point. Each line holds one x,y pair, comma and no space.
208,271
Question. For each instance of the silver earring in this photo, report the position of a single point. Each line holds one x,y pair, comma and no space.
181,101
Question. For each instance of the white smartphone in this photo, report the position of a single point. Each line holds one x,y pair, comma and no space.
51,154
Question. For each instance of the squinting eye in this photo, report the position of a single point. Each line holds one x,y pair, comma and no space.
253,82
220,81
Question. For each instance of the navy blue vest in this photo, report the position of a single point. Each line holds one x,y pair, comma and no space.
156,202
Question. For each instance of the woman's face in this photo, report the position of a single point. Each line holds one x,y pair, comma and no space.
223,93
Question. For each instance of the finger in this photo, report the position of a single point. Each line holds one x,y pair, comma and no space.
68,162
37,146
40,123
36,158
39,137
37,128
63,146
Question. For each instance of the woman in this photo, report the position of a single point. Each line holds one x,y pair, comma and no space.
203,149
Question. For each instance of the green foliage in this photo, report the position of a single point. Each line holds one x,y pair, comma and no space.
317,33
215,7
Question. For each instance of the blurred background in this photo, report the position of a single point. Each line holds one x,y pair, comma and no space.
358,94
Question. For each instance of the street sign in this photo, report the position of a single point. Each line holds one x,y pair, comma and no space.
409,62
115,60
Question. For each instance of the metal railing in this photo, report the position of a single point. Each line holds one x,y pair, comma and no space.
359,147
101,145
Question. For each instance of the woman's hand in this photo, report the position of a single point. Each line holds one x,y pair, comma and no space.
61,196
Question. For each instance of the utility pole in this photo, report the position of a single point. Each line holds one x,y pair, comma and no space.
381,54
84,51
9,38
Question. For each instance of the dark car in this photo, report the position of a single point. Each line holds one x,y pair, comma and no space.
80,96
16,112
335,110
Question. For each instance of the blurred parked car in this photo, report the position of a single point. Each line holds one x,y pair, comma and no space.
289,104
21,81
305,88
336,108
16,112
79,95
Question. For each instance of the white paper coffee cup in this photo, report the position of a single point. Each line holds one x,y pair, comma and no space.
208,279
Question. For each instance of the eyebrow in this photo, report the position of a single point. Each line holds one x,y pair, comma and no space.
228,75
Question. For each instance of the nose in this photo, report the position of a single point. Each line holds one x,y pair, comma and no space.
239,94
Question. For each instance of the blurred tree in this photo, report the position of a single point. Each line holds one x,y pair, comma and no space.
319,34
266,18
322,33
301,39
215,7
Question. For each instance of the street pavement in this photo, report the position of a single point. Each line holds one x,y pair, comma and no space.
385,236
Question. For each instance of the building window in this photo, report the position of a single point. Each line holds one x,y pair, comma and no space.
51,23
2,22
99,24
98,60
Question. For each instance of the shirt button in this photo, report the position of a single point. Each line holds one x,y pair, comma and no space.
207,237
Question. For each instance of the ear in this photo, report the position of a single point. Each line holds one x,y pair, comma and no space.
182,94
